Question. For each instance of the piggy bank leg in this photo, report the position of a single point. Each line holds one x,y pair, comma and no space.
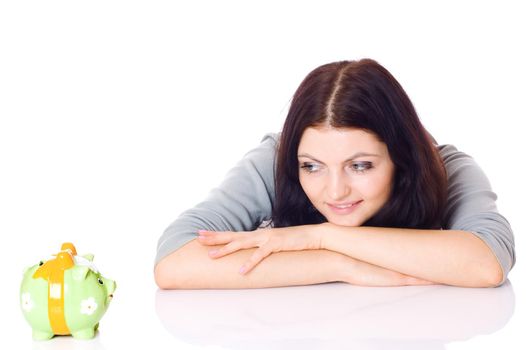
86,333
41,335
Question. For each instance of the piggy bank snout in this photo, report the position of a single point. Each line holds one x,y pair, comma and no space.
110,287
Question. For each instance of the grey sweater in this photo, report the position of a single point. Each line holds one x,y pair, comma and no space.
244,201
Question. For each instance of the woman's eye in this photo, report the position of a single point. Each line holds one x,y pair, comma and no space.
361,166
310,167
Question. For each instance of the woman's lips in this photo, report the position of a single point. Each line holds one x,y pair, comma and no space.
343,208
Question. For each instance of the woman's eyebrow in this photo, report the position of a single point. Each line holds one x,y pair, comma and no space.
354,156
362,154
306,155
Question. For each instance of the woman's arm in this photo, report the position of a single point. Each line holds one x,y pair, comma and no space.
472,207
190,267
444,256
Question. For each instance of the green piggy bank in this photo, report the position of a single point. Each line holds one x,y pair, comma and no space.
65,295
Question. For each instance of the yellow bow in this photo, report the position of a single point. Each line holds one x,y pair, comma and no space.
53,271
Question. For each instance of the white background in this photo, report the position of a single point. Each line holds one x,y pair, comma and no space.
116,116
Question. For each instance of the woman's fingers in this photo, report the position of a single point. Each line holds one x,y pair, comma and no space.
255,259
234,241
214,238
231,247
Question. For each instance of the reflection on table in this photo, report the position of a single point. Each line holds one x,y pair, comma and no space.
334,315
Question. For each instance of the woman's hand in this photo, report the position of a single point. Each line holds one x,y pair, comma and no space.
267,241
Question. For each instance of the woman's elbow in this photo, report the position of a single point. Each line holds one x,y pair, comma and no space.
490,275
168,276
494,277
181,269
162,276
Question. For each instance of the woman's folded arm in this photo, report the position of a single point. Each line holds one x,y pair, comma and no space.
190,267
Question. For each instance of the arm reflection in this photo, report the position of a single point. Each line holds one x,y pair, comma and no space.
330,314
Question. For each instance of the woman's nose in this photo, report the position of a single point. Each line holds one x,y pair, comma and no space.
337,187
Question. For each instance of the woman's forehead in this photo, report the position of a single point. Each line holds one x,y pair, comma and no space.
334,140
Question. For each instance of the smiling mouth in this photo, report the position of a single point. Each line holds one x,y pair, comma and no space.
345,205
345,208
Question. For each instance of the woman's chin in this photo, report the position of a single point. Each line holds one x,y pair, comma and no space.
344,221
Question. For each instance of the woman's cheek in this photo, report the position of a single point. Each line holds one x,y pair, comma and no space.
378,187
313,188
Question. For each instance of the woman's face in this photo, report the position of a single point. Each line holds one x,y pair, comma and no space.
346,173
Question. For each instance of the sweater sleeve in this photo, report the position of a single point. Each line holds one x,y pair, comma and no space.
241,202
472,206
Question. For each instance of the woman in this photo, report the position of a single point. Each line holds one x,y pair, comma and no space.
360,194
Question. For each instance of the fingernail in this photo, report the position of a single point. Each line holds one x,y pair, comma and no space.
243,269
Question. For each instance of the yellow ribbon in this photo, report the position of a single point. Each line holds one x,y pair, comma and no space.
53,271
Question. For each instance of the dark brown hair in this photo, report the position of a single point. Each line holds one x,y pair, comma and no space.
364,95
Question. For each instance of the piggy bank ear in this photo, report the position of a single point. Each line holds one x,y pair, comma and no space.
88,257
80,272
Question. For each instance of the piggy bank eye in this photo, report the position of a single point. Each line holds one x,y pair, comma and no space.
100,281
40,263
